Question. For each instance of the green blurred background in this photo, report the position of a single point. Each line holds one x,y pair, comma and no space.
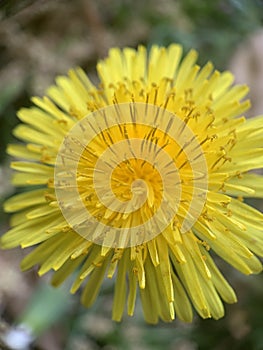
41,39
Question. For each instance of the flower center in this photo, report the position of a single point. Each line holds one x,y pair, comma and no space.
128,193
139,180
127,172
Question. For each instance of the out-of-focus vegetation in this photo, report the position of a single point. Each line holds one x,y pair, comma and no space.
44,38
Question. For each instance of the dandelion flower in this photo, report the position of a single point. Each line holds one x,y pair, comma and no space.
141,179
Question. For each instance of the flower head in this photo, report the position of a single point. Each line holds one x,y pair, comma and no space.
140,179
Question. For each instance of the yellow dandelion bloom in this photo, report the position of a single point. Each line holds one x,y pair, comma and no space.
140,179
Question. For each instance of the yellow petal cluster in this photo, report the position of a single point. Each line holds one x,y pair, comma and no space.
175,271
